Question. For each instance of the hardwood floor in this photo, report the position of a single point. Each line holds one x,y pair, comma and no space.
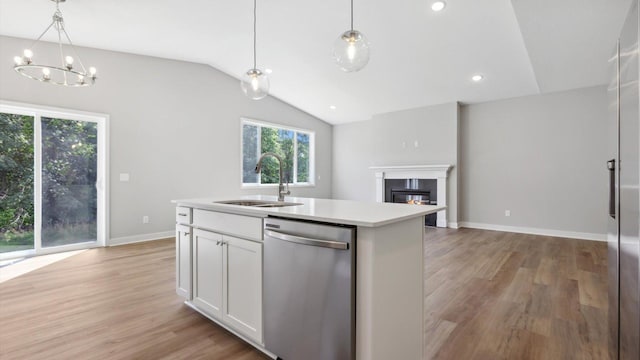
497,295
109,303
489,295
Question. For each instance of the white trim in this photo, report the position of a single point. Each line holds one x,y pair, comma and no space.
535,231
453,225
141,238
275,186
438,172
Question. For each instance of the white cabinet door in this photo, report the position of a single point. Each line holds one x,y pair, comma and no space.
242,283
207,272
183,261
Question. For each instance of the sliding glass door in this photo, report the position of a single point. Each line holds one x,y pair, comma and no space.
52,187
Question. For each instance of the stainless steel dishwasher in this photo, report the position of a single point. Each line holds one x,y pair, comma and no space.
309,290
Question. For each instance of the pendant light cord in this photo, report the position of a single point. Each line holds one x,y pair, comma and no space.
351,15
254,34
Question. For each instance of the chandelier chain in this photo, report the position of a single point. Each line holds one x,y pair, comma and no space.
64,74
73,48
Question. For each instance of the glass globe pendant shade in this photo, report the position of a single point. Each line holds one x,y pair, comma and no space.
351,51
255,84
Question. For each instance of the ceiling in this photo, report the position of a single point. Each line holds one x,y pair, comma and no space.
418,57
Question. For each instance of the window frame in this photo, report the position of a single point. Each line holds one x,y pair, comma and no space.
296,130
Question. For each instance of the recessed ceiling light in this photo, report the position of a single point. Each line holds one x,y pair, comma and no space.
268,71
332,107
477,77
438,6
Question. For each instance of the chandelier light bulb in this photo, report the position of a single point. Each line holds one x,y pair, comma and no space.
28,53
68,60
92,71
351,51
17,60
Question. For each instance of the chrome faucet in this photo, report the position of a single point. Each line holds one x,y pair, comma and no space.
281,191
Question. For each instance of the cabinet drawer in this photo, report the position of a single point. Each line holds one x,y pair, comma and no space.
183,215
231,224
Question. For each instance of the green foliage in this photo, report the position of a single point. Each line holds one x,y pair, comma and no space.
16,175
303,157
249,153
277,141
69,172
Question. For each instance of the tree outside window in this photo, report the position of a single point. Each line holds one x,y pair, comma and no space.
293,146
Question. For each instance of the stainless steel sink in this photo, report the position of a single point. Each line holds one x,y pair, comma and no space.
257,203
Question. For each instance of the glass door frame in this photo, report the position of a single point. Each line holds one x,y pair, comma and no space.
102,181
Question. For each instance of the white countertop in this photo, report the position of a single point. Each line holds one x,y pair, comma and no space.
367,214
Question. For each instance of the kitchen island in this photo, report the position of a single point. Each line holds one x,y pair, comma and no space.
388,266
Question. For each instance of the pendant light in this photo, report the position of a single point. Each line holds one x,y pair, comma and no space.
65,73
351,49
255,83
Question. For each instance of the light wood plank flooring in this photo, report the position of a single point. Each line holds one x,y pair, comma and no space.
488,295
498,295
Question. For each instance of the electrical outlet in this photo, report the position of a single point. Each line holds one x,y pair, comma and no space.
507,213
145,219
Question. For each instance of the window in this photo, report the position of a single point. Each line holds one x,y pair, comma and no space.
294,146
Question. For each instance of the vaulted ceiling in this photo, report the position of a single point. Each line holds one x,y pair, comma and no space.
418,58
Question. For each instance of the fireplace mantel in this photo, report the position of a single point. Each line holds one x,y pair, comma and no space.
438,172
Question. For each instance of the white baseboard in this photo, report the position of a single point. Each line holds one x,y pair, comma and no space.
453,225
140,238
535,231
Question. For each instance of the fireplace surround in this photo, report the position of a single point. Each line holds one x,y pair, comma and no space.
438,172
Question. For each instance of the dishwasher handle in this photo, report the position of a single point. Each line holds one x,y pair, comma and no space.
306,241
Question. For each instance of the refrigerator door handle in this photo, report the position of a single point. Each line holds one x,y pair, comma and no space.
611,166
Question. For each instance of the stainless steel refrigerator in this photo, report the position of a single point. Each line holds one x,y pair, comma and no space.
624,202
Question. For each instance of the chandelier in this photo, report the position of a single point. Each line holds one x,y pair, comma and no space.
65,73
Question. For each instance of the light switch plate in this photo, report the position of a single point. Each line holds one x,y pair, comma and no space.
124,177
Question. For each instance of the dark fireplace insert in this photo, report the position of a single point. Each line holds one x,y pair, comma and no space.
413,191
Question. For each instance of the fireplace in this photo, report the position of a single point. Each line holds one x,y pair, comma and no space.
413,191
435,175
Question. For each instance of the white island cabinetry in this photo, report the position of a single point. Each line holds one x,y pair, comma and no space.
389,297
183,252
227,271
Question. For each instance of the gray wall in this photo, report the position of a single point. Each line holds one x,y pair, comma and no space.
174,126
388,139
542,157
